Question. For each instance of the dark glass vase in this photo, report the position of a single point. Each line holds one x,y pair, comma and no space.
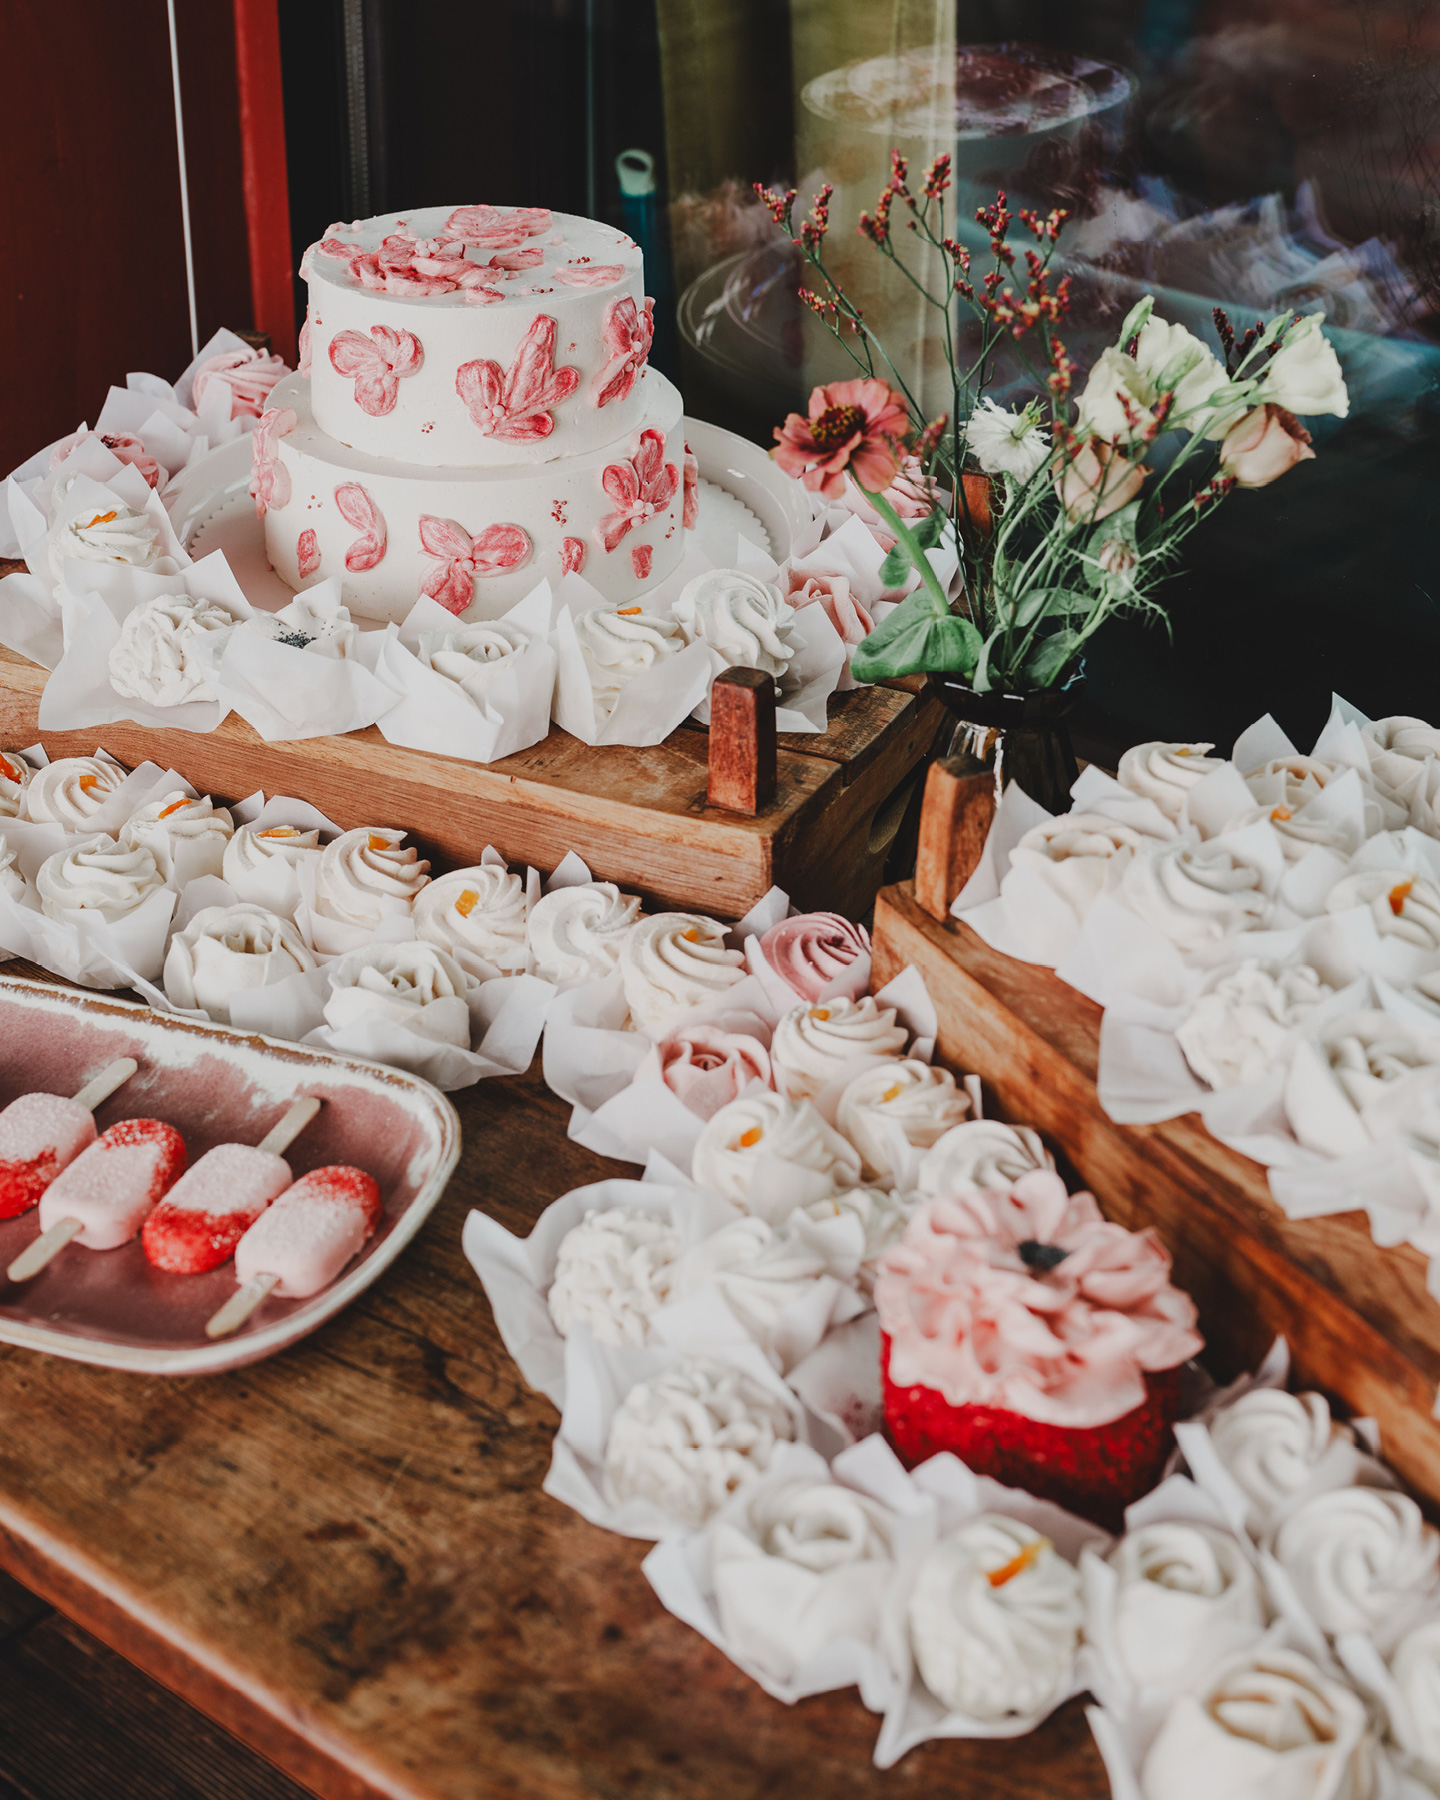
1021,737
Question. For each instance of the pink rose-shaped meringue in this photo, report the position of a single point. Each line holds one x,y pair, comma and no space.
1028,1300
125,447
248,374
706,1067
814,950
832,592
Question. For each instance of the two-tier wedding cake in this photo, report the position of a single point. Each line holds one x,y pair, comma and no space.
473,412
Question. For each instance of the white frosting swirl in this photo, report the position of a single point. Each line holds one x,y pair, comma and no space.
1295,780
1401,735
415,986
747,622
1165,773
98,875
262,865
852,1229
118,535
1270,1442
669,961
1194,893
15,776
1361,1559
1268,1726
982,1153
995,1619
12,882
154,659
226,950
471,655
1416,1669
619,643
918,1099
1186,1595
478,916
1241,1027
1298,830
764,1125
1079,855
1349,1068
186,837
1401,904
767,1278
364,876
312,622
613,1274
688,1439
71,790
575,933
812,1044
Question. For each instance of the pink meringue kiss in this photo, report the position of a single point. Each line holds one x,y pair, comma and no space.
706,1068
813,951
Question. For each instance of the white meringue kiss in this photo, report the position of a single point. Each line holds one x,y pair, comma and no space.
226,950
98,875
262,866
671,961
477,916
414,986
575,933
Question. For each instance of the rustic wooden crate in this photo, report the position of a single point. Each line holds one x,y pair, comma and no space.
638,816
1361,1325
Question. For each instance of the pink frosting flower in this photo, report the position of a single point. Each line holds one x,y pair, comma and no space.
358,509
1029,1301
122,446
853,426
514,404
706,1067
640,488
813,950
463,560
628,332
589,275
832,592
249,375
307,553
269,478
376,364
492,229
690,472
572,555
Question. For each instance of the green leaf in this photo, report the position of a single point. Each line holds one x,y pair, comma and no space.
930,529
1052,602
1052,657
914,640
1136,319
895,570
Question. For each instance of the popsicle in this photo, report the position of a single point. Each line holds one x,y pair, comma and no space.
41,1133
104,1196
215,1202
302,1242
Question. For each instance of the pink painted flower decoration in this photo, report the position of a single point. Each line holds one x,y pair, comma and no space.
378,366
463,560
269,478
358,509
640,488
628,332
572,555
514,404
307,554
641,556
492,229
304,368
690,517
590,274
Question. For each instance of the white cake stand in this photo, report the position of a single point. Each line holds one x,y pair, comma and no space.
741,490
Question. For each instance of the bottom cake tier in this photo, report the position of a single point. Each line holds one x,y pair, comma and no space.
476,540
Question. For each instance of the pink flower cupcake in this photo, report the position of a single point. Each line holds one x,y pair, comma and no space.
1037,1341
706,1067
819,955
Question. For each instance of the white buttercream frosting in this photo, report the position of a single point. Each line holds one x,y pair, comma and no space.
1194,893
365,876
1362,1559
225,950
1241,1027
478,916
71,790
1338,1077
869,1218
747,622
412,985
613,1274
313,622
262,864
982,1153
575,933
619,643
1298,830
1079,855
1401,903
1270,1442
99,875
1186,1595
1401,735
812,1044
670,961
15,776
918,1099
1415,1666
763,1125
471,655
995,1618
154,659
1165,773
12,882
187,837
117,535
688,1439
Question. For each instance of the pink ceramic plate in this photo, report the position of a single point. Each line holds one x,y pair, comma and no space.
215,1086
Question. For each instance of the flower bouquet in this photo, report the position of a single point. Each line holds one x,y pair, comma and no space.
1063,517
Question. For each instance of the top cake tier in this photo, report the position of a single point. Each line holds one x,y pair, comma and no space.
475,336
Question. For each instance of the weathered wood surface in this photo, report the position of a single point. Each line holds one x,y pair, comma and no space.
637,815
1361,1324
343,1555
742,741
958,810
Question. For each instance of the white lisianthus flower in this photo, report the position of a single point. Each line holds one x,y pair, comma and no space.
1171,356
1304,375
1007,443
1100,412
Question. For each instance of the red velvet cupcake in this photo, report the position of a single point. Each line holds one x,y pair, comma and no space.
1038,1342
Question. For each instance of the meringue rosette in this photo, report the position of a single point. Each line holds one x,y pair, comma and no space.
1271,1443
414,987
1193,893
819,953
186,836
155,659
981,1153
813,1044
1165,773
746,622
919,1101
226,950
706,1067
71,790
261,865
1361,1559
1240,1028
619,643
15,776
478,916
364,876
98,876
613,1273
575,933
764,1129
671,961
1186,1596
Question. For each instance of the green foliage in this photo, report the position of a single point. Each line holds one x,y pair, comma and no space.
915,639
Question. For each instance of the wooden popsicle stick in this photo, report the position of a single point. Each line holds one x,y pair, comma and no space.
238,1308
278,1139
43,1250
106,1082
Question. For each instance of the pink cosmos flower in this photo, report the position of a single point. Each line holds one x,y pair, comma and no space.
358,509
854,425
832,592
269,478
463,560
377,366
640,488
514,404
628,332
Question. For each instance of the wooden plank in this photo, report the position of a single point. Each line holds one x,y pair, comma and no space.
343,1554
959,807
863,724
1360,1321
741,762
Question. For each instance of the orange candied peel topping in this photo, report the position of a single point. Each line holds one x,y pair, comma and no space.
467,902
102,519
747,1140
89,781
174,806
8,769
890,1093
1017,1565
690,935
822,1013
1281,813
377,842
279,831
1399,894
628,612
